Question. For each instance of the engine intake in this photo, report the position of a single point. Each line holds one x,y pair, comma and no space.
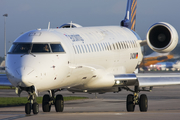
162,37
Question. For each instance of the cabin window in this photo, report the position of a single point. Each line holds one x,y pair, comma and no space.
102,47
114,47
85,48
127,44
109,46
91,47
88,48
117,45
94,47
77,49
82,49
97,47
122,45
74,49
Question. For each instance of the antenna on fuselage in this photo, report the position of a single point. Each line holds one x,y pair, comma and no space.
48,25
71,24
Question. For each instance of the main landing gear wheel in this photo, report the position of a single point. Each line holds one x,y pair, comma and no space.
59,103
143,103
45,103
133,100
28,108
129,103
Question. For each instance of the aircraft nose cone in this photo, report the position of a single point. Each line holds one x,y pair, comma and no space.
25,76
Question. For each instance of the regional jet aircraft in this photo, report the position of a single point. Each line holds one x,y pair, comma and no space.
86,59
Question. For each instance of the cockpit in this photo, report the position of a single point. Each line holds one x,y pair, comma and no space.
23,48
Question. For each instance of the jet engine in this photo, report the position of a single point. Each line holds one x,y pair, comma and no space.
162,37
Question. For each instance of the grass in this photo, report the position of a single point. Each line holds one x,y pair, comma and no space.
6,87
16,101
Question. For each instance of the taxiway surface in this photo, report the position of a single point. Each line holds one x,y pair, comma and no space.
163,104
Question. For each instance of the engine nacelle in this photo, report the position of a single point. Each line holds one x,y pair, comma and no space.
162,37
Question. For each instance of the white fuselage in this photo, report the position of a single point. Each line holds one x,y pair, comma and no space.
93,55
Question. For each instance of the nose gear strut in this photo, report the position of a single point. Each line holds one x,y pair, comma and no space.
32,94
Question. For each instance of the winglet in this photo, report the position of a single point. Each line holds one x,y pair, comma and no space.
130,18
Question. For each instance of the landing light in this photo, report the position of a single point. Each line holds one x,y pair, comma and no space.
120,82
117,82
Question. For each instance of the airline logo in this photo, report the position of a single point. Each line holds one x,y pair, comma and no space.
75,38
133,14
133,55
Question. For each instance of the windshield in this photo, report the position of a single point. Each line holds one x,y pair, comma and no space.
22,48
39,48
57,48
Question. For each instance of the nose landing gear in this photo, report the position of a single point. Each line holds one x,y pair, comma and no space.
47,101
32,104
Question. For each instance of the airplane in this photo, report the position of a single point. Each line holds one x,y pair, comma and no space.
177,65
86,59
155,58
2,65
163,66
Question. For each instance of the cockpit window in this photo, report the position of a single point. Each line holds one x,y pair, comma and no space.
20,48
38,48
26,48
57,48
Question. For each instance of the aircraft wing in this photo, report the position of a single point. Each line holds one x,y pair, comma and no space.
158,79
4,80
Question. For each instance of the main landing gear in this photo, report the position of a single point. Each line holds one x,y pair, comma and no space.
47,101
134,99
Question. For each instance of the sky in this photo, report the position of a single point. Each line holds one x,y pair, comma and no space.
26,15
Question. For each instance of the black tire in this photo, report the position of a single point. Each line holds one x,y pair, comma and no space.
59,103
45,103
28,108
129,103
143,103
35,108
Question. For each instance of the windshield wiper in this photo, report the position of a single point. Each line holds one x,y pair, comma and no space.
28,53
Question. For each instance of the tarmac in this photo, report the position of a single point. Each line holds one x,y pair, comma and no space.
163,103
